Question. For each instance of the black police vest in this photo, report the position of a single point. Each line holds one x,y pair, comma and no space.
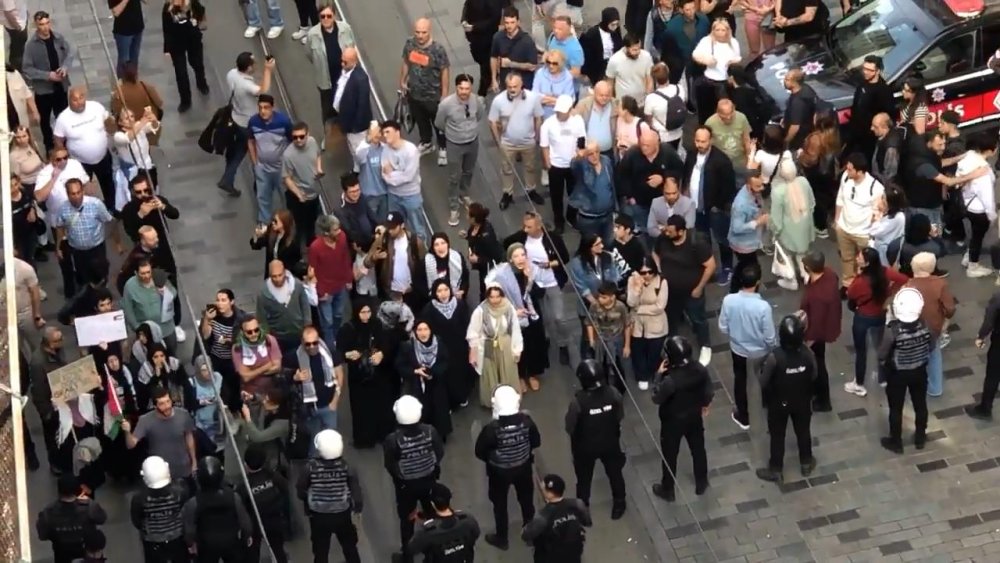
565,536
513,443
451,539
161,514
329,488
597,429
417,459
69,521
216,519
689,392
270,500
791,384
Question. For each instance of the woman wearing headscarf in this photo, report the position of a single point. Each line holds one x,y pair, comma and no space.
791,219
146,335
444,263
206,386
423,365
495,343
485,251
517,278
599,43
363,341
166,371
121,463
449,317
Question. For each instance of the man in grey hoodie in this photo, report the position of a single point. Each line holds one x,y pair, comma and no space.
459,116
401,172
283,306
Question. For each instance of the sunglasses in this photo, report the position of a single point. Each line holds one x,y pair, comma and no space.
326,16
59,158
141,192
552,63
646,273
252,331
298,137
312,344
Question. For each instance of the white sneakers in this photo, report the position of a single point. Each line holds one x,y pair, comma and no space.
855,389
250,31
974,270
442,157
180,334
425,148
643,386
743,427
274,32
453,218
545,177
705,356
790,285
965,259
300,35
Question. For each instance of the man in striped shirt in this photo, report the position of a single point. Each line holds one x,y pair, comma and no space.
79,223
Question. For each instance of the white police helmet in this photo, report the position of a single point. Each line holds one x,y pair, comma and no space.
907,305
155,472
506,401
329,444
408,409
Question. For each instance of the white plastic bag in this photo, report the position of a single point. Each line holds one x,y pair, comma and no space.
782,265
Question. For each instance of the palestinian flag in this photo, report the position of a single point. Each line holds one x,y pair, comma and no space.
112,410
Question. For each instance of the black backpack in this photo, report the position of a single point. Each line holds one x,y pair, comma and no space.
220,133
677,112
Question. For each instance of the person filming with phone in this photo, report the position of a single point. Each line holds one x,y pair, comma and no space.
218,323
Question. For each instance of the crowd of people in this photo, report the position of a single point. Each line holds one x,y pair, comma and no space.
654,150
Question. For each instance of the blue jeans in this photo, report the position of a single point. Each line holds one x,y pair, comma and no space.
638,213
268,186
128,51
273,13
681,306
935,372
234,156
331,316
322,419
412,208
602,227
860,328
378,205
715,224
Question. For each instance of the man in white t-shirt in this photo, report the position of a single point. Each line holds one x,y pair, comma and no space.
244,92
561,137
659,107
857,199
82,129
50,184
631,68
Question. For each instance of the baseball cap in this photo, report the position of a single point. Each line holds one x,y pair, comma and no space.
554,484
394,219
564,103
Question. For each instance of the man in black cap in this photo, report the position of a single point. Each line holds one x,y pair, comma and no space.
269,491
449,536
872,97
66,521
216,524
594,425
683,389
787,381
557,530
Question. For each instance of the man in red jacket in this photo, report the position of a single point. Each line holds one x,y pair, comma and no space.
823,309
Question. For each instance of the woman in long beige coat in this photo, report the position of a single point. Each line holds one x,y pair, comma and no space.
495,343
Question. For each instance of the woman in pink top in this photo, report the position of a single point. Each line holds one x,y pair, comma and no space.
629,125
755,12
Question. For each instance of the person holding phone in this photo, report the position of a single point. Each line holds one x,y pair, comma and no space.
218,321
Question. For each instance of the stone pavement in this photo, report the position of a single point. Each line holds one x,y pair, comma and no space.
861,504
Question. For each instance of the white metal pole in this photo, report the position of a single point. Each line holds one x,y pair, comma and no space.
13,353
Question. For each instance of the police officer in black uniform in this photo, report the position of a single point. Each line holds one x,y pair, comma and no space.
594,425
331,492
450,536
269,490
216,524
787,382
413,454
683,390
506,445
66,521
156,513
557,531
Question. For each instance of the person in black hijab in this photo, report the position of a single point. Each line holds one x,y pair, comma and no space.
449,319
363,341
423,364
122,464
595,58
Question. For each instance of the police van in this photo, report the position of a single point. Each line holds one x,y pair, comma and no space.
948,43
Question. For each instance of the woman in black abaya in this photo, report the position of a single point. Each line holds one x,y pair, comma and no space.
363,341
423,364
121,463
449,318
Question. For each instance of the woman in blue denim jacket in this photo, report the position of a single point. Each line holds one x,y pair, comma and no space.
747,221
588,269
